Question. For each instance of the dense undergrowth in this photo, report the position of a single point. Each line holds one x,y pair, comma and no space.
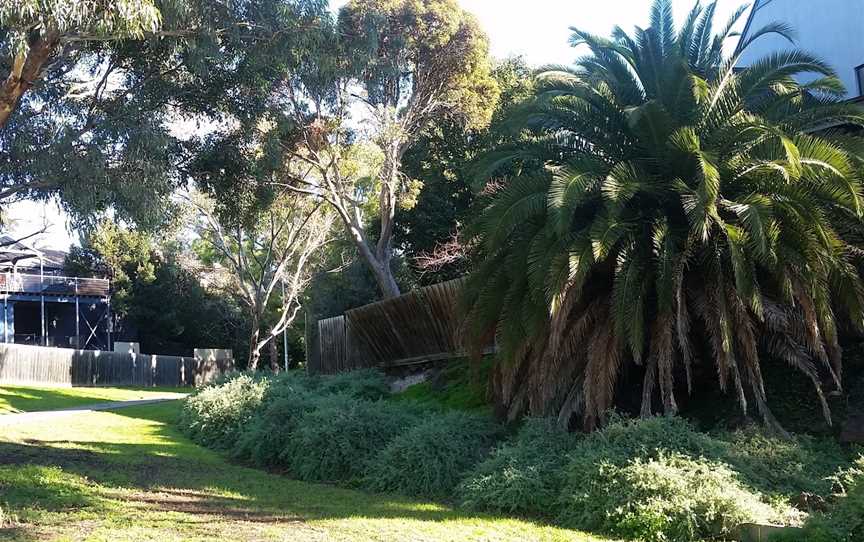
656,480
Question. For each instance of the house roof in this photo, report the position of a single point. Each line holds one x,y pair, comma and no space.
16,251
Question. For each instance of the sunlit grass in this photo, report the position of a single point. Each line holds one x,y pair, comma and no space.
130,475
29,399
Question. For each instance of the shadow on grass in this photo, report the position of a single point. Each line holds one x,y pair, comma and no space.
26,399
175,475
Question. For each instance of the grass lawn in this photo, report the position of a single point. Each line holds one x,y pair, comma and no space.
28,399
130,475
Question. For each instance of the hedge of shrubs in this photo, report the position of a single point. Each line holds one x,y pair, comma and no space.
656,480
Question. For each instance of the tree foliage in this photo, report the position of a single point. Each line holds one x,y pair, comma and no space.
442,158
408,63
125,90
269,261
158,298
687,211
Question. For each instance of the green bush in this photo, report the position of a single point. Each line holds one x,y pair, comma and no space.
668,498
783,466
368,384
524,475
215,414
269,431
844,522
649,479
430,459
333,441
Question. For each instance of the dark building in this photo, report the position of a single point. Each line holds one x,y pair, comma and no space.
43,307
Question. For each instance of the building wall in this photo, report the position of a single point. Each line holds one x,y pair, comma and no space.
831,29
23,317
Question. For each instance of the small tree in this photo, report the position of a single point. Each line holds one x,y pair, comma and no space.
269,258
406,63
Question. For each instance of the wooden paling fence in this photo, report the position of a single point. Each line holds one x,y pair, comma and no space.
23,364
422,325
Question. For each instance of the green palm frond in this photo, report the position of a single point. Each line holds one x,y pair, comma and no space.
661,206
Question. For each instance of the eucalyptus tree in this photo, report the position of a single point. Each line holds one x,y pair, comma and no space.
670,209
103,104
270,259
403,64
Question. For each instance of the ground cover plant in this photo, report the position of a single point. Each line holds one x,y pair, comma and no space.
335,440
524,475
648,479
431,458
215,414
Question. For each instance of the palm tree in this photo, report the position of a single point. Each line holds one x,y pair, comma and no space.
670,209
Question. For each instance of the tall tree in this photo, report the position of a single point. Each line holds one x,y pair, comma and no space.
406,63
683,200
443,157
97,94
35,31
270,259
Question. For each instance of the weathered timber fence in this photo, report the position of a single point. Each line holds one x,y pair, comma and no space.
422,325
22,364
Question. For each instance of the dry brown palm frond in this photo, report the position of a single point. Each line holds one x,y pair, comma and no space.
665,351
709,316
562,316
809,330
713,310
574,403
782,347
649,382
806,328
565,358
601,374
780,341
746,342
682,327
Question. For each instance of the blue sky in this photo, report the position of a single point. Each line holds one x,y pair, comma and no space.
535,29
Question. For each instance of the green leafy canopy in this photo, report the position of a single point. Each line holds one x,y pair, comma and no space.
688,211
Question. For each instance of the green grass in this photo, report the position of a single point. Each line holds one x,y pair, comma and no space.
130,475
461,385
29,399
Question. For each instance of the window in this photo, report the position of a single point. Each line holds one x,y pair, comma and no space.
859,75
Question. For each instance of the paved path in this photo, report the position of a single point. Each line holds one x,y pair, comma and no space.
36,416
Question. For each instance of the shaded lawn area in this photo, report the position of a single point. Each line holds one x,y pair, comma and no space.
29,399
130,475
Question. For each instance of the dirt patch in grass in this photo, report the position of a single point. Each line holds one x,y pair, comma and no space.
197,502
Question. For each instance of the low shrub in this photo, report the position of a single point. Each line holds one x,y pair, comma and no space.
650,479
368,384
524,475
783,466
269,431
429,459
215,414
670,497
333,441
844,522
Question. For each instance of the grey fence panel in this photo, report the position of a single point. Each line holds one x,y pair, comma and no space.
37,365
333,341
